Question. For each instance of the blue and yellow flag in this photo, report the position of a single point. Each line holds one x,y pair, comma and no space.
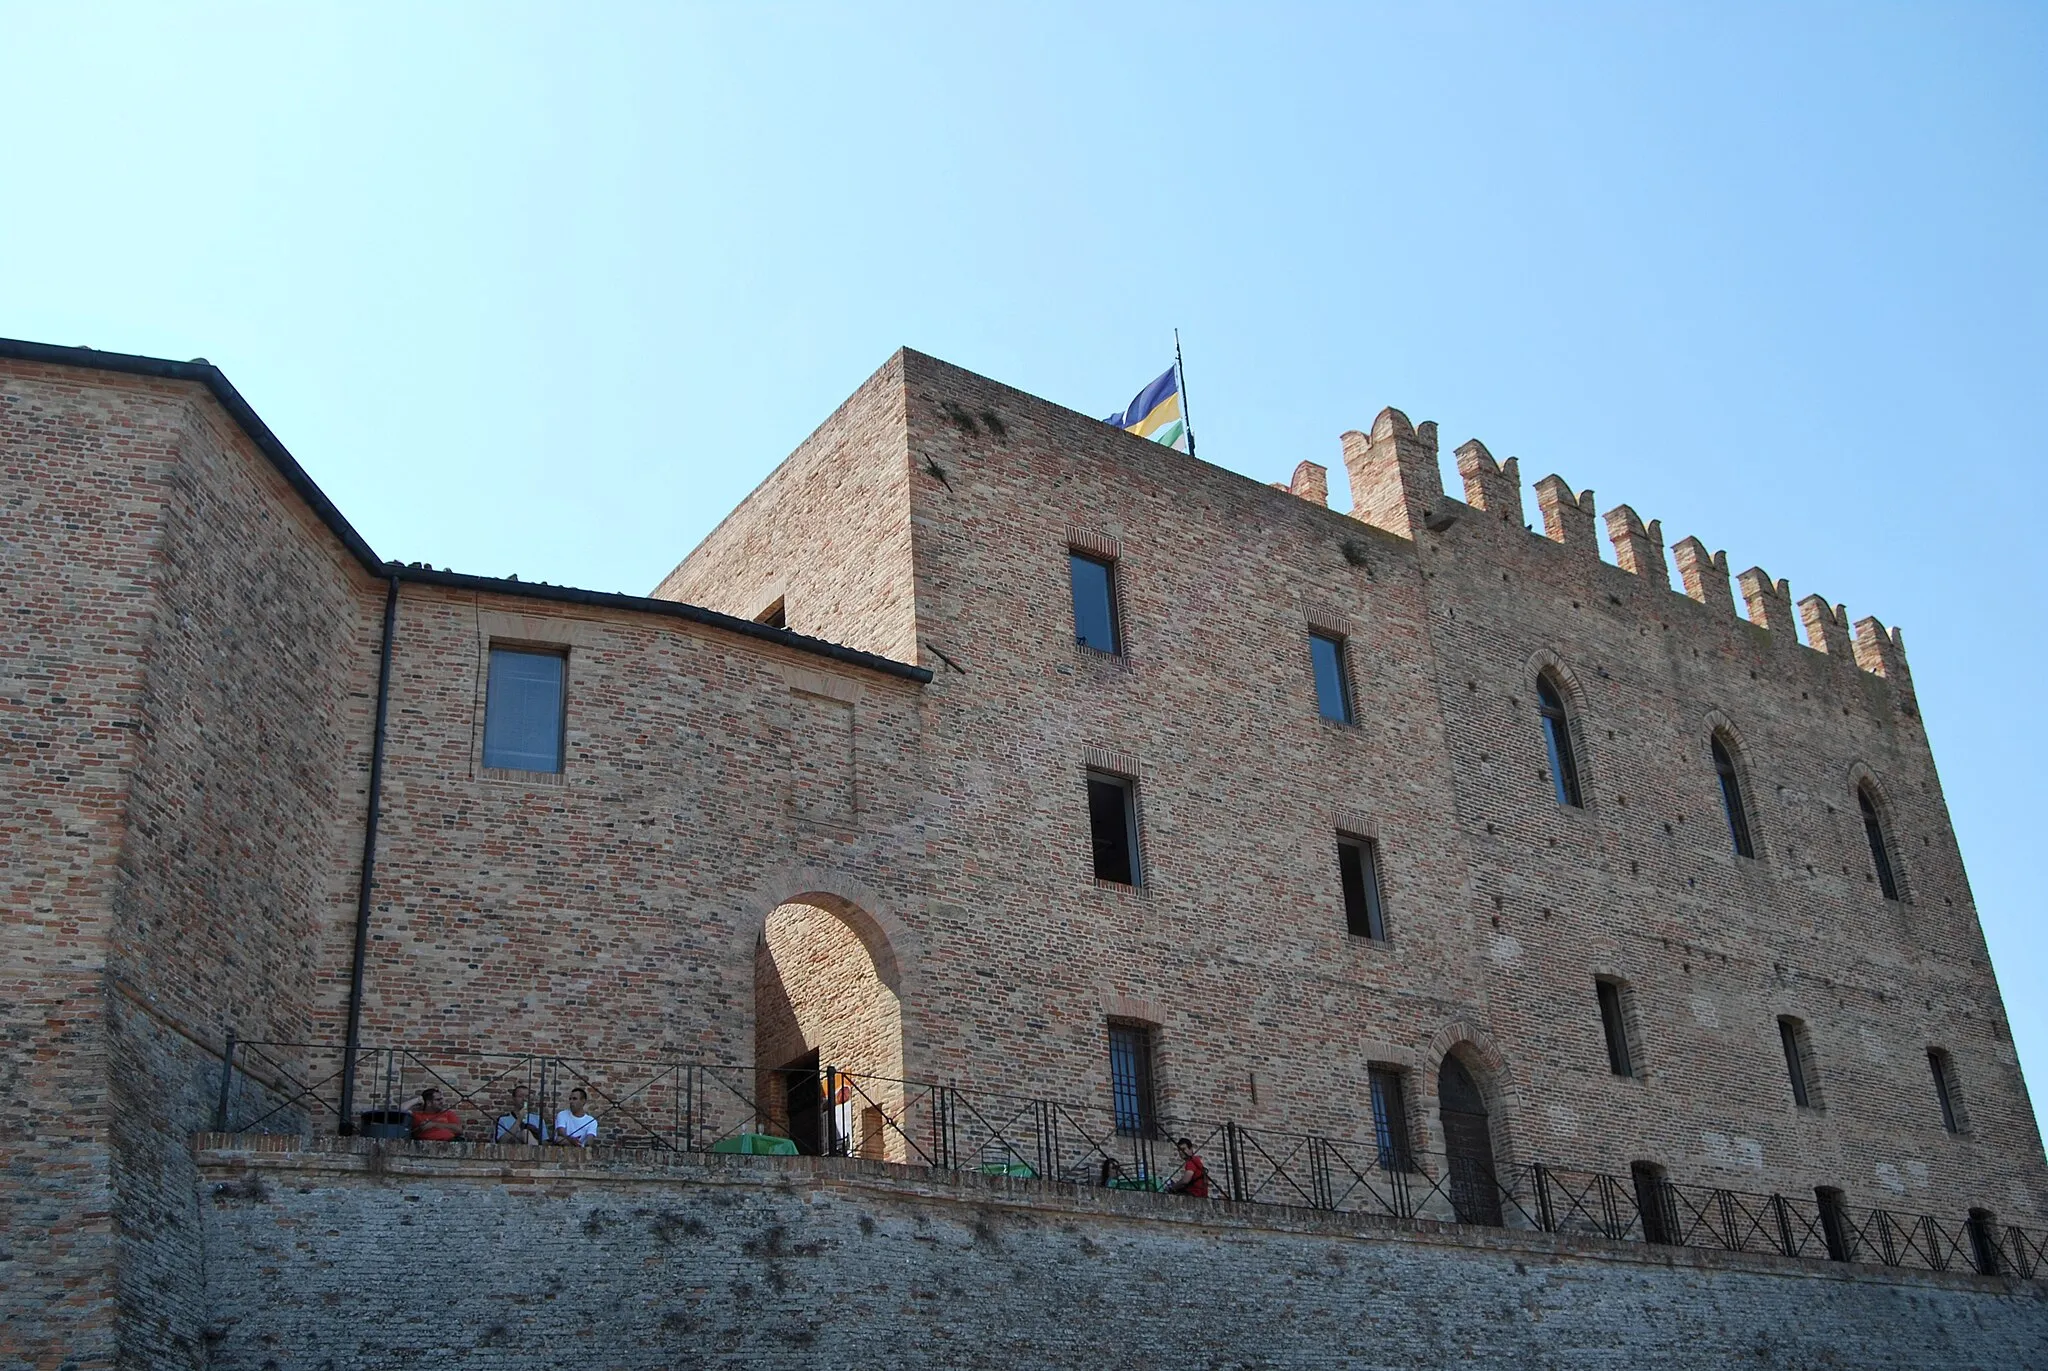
1156,413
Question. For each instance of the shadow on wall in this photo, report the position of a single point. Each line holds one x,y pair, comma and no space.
825,998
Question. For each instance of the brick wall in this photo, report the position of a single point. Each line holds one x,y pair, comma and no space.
333,1257
828,534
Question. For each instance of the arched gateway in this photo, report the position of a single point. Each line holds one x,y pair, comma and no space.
1468,1144
828,1018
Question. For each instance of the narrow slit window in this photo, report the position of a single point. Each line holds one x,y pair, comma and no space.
1130,1079
1333,679
1793,1038
1943,1068
1835,1228
1390,1119
1731,799
1095,620
1557,740
1358,864
1113,828
1615,1026
523,710
1880,851
1655,1202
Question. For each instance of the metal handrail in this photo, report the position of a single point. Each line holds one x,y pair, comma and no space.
690,1107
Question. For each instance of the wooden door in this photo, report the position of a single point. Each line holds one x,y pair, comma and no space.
1468,1145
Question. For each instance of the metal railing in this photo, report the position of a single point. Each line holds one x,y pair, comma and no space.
690,1107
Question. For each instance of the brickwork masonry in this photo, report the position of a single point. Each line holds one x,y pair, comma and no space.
347,1255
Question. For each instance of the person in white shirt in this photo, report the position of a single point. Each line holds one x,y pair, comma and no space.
574,1126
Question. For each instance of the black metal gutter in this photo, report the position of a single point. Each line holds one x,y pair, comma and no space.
672,609
367,878
208,375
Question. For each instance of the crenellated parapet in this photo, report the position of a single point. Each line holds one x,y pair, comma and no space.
1396,485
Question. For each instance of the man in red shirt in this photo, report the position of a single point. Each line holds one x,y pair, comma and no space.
1194,1177
433,1123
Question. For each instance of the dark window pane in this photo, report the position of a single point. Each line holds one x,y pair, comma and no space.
1617,1031
1938,1063
775,616
1795,1068
1984,1243
1112,829
1094,603
1880,854
1557,739
523,711
1834,1223
1731,800
1358,866
1130,1078
1333,690
1390,1120
1655,1202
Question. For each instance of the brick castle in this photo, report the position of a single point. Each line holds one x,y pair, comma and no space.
988,745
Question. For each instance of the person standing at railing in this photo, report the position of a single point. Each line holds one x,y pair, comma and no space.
1193,1177
520,1123
576,1126
432,1121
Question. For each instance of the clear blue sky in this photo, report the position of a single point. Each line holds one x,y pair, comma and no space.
545,294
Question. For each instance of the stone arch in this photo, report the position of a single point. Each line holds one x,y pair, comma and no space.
831,981
1719,725
1498,1086
1863,780
1545,663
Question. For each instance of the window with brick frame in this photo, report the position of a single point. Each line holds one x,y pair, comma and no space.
1880,849
1358,869
1797,1044
1113,829
1948,1092
1731,797
1655,1202
1835,1229
1333,676
1388,1086
1614,1000
1984,1249
1096,624
1557,740
1131,1084
525,707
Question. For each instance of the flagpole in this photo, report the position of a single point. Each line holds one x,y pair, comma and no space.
1180,374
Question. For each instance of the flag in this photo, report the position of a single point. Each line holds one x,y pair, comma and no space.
1155,413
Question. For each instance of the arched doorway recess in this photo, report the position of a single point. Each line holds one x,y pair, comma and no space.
827,1009
1468,1144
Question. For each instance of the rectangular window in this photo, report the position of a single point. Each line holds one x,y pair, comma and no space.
1390,1119
1113,828
1984,1251
1616,1028
1095,623
1333,682
1130,1079
523,707
1792,1036
775,616
1951,1100
1358,865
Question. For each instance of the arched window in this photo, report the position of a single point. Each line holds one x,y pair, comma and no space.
1731,799
1880,851
1557,737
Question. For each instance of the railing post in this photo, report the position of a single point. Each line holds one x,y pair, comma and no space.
1048,1140
1233,1162
1781,1212
1319,1173
227,1084
831,1111
1544,1214
1885,1245
1937,1255
1611,1223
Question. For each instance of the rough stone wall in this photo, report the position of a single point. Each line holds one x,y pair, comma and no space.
612,911
828,534
508,1258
